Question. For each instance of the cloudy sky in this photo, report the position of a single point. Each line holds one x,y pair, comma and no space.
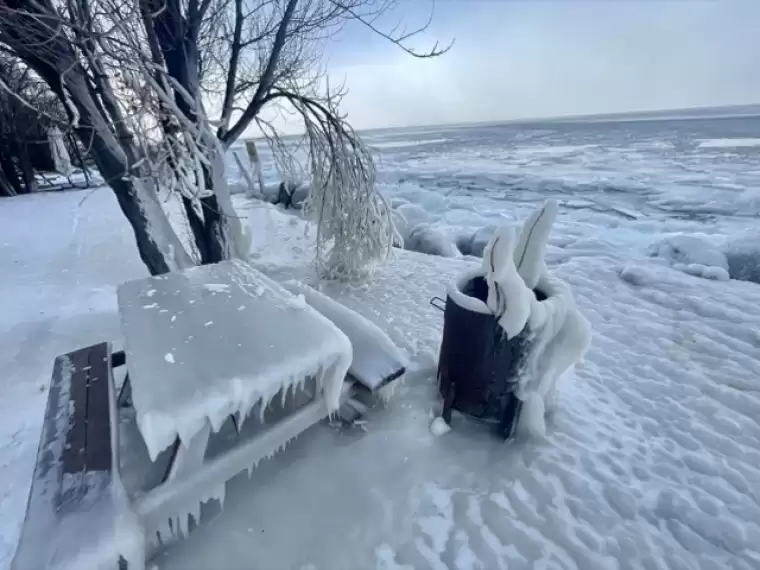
517,59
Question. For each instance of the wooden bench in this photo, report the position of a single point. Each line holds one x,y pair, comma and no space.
74,500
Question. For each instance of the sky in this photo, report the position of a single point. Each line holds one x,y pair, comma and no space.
516,59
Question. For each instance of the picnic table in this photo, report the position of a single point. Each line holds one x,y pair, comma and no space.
217,342
204,348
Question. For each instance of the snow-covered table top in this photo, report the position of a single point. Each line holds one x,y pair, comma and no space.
215,340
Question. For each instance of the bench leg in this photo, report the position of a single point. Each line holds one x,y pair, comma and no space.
124,399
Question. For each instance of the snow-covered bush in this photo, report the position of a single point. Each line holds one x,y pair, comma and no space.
355,228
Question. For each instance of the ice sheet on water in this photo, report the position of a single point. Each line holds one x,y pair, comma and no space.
728,143
223,360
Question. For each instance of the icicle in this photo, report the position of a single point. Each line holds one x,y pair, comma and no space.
262,409
154,541
284,391
182,523
219,494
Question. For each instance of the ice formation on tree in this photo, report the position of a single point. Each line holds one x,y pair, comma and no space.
61,158
355,227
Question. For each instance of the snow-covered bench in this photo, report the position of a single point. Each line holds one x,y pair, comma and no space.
208,346
76,500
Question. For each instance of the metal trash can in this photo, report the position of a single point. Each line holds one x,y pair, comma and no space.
478,366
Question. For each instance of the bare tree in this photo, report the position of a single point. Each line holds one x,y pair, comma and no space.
137,78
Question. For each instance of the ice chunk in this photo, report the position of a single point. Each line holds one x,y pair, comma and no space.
688,250
169,357
216,287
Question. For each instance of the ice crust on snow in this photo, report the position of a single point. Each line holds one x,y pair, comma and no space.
213,374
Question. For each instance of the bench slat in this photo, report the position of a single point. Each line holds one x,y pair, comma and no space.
73,475
74,448
98,433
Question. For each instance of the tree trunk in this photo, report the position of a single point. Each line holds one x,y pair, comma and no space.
27,170
173,35
5,186
9,173
53,59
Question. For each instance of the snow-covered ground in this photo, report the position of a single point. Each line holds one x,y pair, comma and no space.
652,459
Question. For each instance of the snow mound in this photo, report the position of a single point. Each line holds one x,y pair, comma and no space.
439,426
475,243
411,215
693,256
425,238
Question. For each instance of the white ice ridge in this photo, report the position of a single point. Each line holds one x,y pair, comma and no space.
508,297
274,343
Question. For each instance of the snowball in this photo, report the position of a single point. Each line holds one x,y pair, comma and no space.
169,357
439,426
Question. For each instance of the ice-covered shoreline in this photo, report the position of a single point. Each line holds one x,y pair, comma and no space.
651,456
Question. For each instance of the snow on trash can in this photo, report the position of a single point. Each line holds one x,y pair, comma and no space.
478,365
510,332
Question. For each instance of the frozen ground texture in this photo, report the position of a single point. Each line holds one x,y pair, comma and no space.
651,458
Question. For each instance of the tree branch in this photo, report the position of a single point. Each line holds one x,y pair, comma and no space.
267,79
